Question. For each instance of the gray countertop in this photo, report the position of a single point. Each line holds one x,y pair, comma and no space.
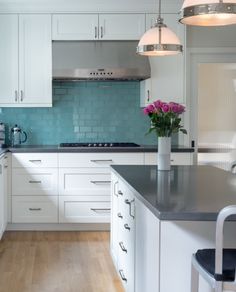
55,148
188,193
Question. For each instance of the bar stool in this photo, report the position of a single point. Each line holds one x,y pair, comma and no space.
217,266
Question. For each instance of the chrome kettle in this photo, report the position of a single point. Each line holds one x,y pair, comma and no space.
16,136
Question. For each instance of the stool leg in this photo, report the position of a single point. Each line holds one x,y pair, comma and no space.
194,279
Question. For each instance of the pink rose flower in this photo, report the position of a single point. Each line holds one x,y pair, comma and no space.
165,107
158,104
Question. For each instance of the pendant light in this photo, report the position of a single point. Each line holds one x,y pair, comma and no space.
208,12
159,40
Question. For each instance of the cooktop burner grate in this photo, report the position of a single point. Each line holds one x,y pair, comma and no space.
103,144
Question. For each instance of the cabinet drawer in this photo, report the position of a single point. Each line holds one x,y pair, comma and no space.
99,159
176,158
77,182
41,209
34,160
74,210
33,181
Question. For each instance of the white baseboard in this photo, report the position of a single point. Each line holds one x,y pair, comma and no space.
58,227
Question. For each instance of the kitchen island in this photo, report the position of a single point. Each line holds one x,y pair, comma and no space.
160,218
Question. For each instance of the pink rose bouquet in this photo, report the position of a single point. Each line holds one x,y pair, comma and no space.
165,118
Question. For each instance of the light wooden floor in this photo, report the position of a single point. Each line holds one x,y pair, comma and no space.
57,262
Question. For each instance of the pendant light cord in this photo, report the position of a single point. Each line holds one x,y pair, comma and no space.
159,21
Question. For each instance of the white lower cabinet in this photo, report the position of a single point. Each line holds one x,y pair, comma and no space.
35,209
3,194
32,181
74,209
77,181
123,232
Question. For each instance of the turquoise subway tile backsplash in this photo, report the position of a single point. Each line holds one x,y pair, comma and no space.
85,112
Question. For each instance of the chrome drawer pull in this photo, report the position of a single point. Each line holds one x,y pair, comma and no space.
120,193
101,160
100,182
130,203
122,275
5,166
122,247
119,215
35,181
115,184
35,209
35,160
127,226
101,210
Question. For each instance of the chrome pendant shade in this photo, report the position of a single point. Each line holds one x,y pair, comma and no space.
159,40
208,12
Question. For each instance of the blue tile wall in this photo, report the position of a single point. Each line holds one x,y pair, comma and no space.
85,112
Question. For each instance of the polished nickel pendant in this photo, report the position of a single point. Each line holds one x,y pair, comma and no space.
159,40
214,13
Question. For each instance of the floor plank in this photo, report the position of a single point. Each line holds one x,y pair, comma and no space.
57,262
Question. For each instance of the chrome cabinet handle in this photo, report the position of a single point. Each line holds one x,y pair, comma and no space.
130,203
101,210
119,215
121,244
127,226
101,160
120,193
102,32
115,184
148,95
35,160
16,95
98,182
5,166
35,209
21,95
122,275
96,32
35,181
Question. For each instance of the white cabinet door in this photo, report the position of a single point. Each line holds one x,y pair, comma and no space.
114,218
84,182
9,59
168,79
75,27
74,209
121,26
146,92
35,60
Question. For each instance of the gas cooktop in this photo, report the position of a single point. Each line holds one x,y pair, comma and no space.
103,144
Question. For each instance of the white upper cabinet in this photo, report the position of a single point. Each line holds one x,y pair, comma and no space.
8,58
26,58
167,81
75,27
121,26
35,51
98,26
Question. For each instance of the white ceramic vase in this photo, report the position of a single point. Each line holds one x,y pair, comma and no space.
163,155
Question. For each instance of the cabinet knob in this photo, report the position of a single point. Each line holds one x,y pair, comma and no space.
119,215
120,193
122,275
121,244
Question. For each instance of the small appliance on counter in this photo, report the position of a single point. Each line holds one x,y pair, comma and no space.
2,135
16,136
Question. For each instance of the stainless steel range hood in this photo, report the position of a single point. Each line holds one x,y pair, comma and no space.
99,61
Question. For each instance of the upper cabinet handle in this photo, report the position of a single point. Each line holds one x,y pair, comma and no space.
96,32
102,34
16,95
148,95
21,95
